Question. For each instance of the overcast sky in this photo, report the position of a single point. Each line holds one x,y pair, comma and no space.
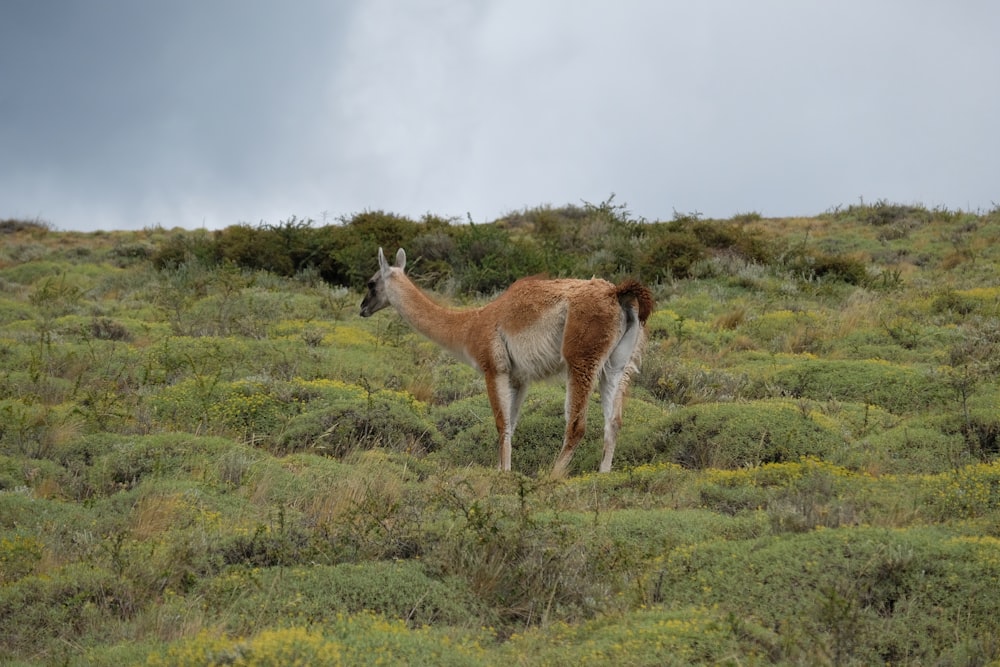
124,114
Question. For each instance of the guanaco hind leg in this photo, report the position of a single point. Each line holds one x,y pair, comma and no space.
579,387
614,381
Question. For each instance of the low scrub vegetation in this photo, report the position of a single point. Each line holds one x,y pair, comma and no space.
207,458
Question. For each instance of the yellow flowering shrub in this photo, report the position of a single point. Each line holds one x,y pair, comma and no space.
359,639
685,636
968,492
286,647
19,555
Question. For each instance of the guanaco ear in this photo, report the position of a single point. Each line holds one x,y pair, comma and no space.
400,259
383,265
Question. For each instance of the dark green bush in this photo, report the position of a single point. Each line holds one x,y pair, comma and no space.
688,636
670,252
883,213
734,238
896,388
386,420
951,302
109,463
29,273
859,596
652,532
317,594
814,265
733,435
185,248
913,446
283,545
679,383
126,254
19,474
354,246
487,259
673,249
341,254
42,614
255,248
434,252
507,553
104,328
36,226
592,240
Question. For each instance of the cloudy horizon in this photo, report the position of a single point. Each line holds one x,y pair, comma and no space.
121,115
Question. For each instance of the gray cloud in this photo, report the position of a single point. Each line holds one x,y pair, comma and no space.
120,115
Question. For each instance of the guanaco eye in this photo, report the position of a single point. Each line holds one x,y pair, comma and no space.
371,284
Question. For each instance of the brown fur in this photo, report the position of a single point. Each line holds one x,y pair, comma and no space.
592,330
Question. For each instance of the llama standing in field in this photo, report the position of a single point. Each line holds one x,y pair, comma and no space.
592,330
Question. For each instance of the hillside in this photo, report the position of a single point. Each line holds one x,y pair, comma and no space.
208,457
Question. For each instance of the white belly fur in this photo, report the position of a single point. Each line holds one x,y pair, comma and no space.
535,352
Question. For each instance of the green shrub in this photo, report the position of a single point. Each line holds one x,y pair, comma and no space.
883,213
111,463
648,533
968,492
19,556
340,426
53,522
41,614
864,596
12,310
470,436
509,554
813,265
186,247
204,361
912,447
30,273
898,389
452,380
687,635
318,594
593,240
35,430
735,238
350,257
128,253
732,435
251,409
674,250
627,486
434,252
951,302
678,382
35,227
346,640
487,260
247,313
257,248
670,253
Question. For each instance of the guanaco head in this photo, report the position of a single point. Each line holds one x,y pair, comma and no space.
376,299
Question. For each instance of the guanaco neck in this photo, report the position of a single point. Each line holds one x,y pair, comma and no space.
442,325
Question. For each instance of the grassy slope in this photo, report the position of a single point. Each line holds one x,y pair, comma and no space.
208,464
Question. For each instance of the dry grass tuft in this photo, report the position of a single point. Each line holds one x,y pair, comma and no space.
155,514
730,319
